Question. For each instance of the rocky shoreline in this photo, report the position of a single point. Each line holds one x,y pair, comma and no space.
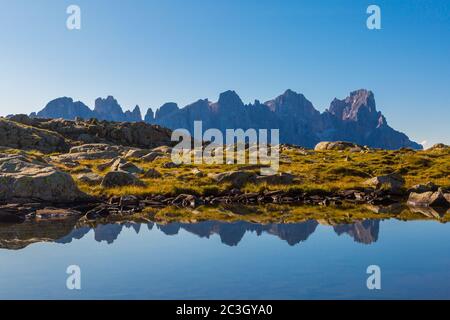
128,205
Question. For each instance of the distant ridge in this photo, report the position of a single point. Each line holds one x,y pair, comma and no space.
354,119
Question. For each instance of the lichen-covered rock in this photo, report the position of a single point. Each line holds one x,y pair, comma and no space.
447,197
392,181
236,178
163,149
58,135
278,178
170,165
439,146
120,179
86,156
337,145
96,147
152,174
91,179
108,164
130,167
137,153
117,163
18,136
55,213
23,179
196,172
152,156
428,199
420,188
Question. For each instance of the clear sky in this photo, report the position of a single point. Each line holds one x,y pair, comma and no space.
149,52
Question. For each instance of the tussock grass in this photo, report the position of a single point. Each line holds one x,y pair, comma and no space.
317,172
324,171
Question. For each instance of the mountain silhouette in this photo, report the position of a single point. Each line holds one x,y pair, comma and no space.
231,233
354,119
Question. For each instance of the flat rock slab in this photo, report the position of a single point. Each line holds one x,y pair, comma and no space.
23,179
55,213
429,199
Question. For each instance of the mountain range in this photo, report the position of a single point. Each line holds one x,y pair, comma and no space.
354,119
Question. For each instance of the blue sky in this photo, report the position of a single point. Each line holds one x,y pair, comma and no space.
150,52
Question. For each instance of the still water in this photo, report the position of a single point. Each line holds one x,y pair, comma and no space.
217,260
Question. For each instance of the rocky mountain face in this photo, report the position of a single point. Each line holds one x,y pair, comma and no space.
353,119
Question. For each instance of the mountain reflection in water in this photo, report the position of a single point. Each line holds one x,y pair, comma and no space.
230,233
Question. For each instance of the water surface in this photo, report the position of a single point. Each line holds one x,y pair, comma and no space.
217,260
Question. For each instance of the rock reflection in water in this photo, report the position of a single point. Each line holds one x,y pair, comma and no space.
19,236
230,233
362,231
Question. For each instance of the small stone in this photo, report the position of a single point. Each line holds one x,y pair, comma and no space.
170,165
152,174
152,156
236,178
130,167
163,149
119,179
91,179
279,178
393,181
420,188
196,172
136,153
337,145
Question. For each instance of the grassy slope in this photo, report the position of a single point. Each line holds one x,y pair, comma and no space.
325,170
330,171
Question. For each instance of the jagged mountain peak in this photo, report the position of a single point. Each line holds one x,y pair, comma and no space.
358,106
149,116
166,109
106,105
230,98
291,102
133,116
289,93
